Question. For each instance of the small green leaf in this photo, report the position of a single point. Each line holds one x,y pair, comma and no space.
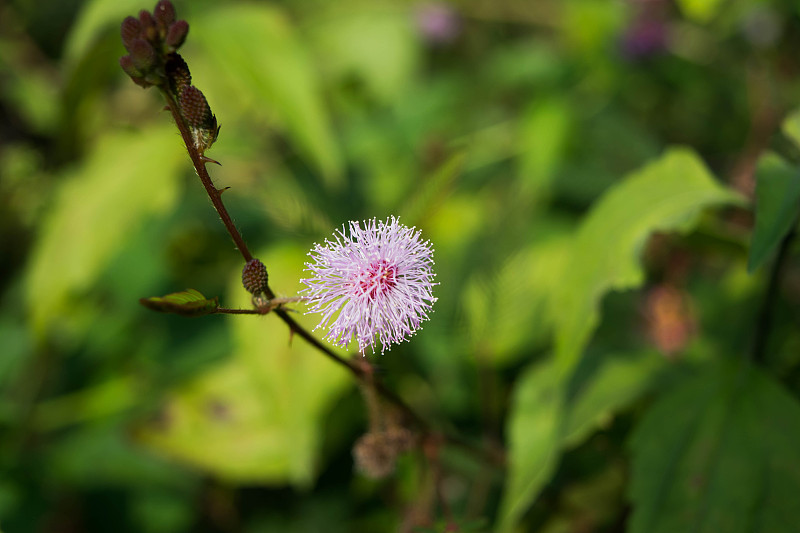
719,453
188,303
777,207
666,195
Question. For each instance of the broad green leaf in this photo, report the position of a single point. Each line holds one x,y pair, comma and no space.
512,311
720,453
91,403
777,207
127,177
701,11
375,42
259,417
534,437
544,130
542,424
433,190
611,384
666,195
254,63
189,303
791,126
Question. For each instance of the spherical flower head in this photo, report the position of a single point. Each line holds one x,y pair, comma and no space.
373,281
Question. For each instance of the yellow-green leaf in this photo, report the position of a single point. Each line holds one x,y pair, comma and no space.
258,417
254,64
127,177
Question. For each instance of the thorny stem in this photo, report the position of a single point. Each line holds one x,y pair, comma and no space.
493,457
200,166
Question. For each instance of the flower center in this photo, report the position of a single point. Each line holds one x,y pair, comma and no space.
377,278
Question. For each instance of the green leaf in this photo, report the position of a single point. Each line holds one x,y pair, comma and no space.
433,190
606,386
534,436
701,11
666,195
791,126
345,38
258,417
542,422
720,453
269,72
509,313
777,207
95,17
188,303
128,177
544,131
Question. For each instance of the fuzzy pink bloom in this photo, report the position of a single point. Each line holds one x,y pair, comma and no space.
376,281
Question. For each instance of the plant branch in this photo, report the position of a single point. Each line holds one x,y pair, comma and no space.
200,167
199,162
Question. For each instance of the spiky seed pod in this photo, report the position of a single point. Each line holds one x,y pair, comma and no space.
131,29
176,34
374,455
254,277
143,55
194,106
197,113
177,71
164,14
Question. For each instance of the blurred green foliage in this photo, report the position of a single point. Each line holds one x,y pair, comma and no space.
584,170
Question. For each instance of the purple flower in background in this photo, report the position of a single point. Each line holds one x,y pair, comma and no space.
438,22
376,281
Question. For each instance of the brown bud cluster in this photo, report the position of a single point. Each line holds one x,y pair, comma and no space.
152,40
149,40
254,277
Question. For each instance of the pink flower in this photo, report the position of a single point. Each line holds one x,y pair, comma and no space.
375,282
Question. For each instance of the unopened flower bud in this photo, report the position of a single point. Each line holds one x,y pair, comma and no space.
130,30
164,14
176,34
143,54
254,277
149,30
194,106
177,72
138,78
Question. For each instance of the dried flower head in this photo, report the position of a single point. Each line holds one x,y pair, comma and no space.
376,281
